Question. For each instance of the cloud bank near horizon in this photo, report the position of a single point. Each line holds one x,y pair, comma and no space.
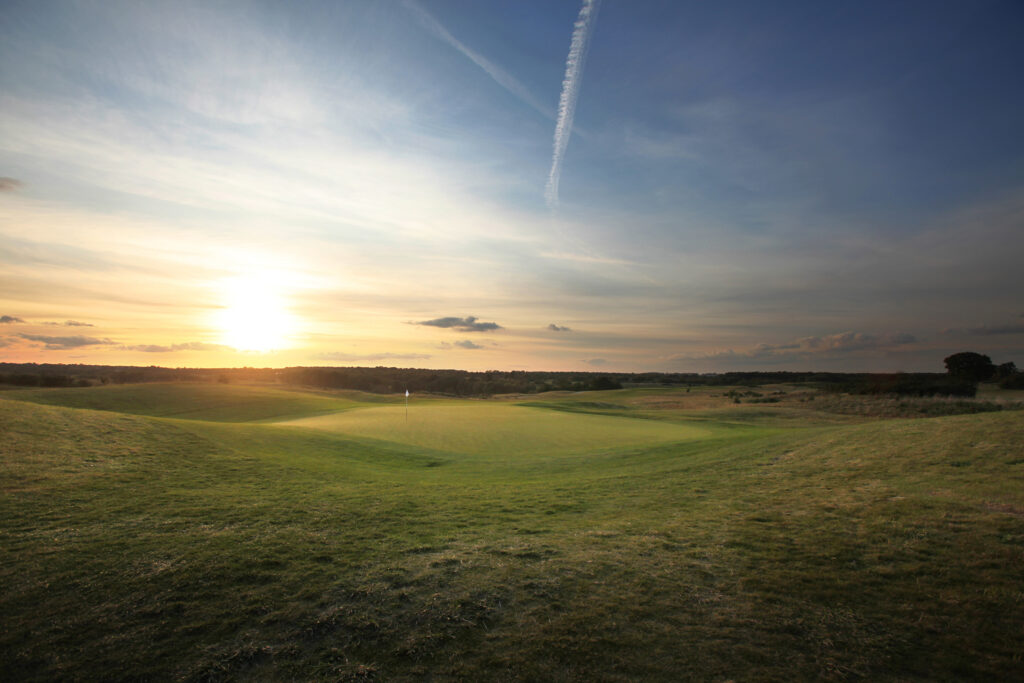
51,343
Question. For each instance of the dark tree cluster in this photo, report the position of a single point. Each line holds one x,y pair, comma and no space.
383,380
969,366
972,367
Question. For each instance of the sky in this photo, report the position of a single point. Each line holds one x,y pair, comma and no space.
541,184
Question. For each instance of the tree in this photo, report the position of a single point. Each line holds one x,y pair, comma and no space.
970,366
603,383
1004,370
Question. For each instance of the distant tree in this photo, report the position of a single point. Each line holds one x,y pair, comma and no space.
1004,370
603,383
970,366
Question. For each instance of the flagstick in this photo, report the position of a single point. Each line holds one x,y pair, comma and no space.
406,406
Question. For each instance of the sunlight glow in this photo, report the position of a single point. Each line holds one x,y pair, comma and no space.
255,316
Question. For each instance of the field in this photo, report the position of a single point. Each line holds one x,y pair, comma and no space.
217,532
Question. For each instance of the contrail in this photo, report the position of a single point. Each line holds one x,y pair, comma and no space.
500,76
570,90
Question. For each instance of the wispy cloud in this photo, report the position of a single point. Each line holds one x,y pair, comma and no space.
352,357
570,92
467,324
70,323
808,347
559,328
500,76
464,344
1012,327
10,184
187,346
10,319
61,343
596,361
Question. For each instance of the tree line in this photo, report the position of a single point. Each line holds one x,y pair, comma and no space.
964,371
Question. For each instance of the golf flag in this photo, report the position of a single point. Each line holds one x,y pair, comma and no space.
407,393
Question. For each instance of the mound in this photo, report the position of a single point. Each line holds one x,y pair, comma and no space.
214,402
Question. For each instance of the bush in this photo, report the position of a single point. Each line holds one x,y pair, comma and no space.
914,385
1014,381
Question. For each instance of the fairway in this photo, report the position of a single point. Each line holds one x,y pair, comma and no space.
485,540
500,429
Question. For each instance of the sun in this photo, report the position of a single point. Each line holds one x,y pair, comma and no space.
255,315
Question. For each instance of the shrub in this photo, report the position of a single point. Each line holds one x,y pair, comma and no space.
903,384
1014,381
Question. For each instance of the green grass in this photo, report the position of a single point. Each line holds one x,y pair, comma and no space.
138,547
500,430
215,402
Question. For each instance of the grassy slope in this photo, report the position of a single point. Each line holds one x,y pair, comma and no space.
217,402
135,546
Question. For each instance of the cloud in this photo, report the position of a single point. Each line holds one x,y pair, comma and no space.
570,92
596,361
10,319
186,346
464,344
10,184
467,324
851,341
500,76
559,328
1013,327
71,323
59,343
809,347
349,357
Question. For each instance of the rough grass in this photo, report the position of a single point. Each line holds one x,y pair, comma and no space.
150,548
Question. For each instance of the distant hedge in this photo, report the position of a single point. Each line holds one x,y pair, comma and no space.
907,384
1014,381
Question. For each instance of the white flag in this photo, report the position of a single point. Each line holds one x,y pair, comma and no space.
407,393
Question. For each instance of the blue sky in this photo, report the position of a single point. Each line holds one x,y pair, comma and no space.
834,186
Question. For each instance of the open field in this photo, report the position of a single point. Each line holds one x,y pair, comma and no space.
208,532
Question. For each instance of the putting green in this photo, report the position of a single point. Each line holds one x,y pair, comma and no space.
500,430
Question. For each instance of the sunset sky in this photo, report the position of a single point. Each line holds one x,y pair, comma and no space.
743,185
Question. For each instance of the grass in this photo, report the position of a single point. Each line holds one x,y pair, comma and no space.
216,402
139,547
491,430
